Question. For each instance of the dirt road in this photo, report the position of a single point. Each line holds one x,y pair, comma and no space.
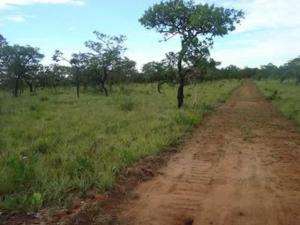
241,167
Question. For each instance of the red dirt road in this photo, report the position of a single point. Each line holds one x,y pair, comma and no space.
241,167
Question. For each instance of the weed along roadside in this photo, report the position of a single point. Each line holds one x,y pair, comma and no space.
285,96
66,148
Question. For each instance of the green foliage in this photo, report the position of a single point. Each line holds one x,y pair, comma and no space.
107,56
182,17
272,95
23,203
154,71
66,146
107,50
18,64
285,96
283,73
196,25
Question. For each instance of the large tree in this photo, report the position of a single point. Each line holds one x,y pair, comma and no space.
19,63
195,24
106,54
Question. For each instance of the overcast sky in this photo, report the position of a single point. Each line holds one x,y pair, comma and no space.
269,33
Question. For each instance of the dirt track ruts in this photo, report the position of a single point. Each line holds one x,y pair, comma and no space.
241,167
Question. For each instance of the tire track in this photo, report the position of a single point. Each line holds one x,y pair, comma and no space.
241,167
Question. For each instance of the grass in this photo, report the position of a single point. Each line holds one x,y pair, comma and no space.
285,96
53,146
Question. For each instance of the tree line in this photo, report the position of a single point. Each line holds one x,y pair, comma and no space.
105,63
287,71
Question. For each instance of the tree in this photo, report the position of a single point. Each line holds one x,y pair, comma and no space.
231,71
52,75
107,53
170,62
78,62
153,71
19,63
161,72
195,24
124,70
3,43
292,69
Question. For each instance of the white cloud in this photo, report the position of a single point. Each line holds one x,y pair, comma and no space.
273,47
269,14
8,3
269,33
264,14
16,18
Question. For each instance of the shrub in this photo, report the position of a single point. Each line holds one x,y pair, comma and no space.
273,95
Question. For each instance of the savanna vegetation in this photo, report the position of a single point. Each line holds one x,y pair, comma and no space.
72,125
285,96
54,145
281,85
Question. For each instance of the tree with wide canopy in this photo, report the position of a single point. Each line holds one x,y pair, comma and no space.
195,24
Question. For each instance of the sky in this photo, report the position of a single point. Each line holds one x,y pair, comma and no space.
270,32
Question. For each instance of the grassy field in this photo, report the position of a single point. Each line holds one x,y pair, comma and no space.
285,96
53,145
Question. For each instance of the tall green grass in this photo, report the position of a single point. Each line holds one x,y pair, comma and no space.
53,146
285,96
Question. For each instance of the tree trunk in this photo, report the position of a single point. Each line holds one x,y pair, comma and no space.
31,88
77,88
77,84
110,87
159,84
104,89
30,85
180,92
103,80
16,89
85,86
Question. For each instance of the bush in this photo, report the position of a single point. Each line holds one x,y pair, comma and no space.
273,95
